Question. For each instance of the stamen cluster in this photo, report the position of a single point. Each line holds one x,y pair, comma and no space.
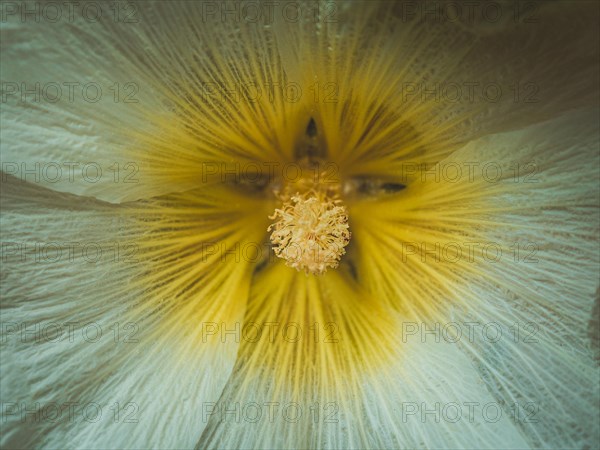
311,231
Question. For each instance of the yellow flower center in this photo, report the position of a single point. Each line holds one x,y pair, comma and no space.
311,229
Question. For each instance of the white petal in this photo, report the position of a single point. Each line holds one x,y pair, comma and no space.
541,293
154,364
347,381
157,126
527,267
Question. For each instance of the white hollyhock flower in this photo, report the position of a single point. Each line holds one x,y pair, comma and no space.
324,225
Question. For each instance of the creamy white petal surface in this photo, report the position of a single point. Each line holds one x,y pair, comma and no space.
126,345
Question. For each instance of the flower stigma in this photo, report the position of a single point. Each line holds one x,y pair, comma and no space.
311,229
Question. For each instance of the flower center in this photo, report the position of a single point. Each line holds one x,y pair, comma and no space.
311,229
